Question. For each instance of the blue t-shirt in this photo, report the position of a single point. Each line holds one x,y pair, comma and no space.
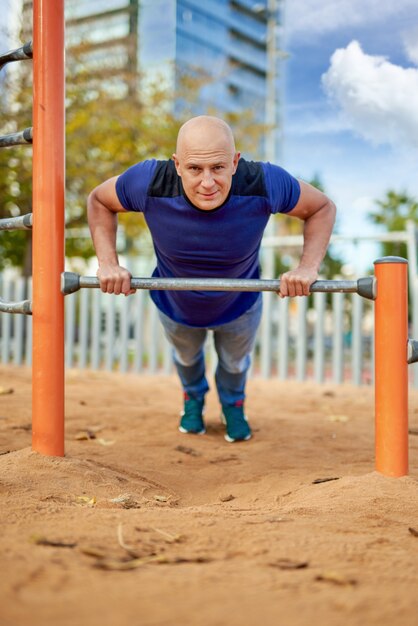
194,243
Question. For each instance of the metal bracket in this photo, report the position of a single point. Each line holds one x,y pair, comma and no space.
15,139
412,355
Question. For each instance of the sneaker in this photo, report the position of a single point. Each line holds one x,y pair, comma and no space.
237,427
192,416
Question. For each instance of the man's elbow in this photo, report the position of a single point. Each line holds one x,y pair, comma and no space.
326,211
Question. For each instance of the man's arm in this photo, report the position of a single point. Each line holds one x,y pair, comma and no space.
318,213
102,208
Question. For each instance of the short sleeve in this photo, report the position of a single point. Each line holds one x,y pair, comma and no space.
283,189
132,185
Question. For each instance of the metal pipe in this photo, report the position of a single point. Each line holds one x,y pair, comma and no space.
391,368
15,139
72,282
20,54
22,222
24,307
48,227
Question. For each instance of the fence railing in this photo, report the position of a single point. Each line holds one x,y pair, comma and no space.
325,337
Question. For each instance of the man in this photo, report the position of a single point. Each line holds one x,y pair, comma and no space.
207,210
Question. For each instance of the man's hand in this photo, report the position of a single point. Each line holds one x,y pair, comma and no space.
115,279
297,282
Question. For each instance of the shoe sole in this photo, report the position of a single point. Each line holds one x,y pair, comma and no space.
191,432
231,440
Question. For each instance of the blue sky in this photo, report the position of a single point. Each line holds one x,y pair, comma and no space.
351,104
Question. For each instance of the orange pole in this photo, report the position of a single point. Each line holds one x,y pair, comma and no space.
391,367
48,227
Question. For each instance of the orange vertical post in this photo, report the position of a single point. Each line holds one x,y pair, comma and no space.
48,227
391,367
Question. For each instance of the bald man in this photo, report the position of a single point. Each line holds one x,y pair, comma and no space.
207,209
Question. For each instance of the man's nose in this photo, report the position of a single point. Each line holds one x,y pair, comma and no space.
207,178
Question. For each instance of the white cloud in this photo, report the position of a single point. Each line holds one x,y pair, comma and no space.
379,100
310,17
411,45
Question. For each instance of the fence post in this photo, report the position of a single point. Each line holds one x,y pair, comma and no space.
391,367
48,227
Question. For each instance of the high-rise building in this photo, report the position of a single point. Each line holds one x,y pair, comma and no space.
232,44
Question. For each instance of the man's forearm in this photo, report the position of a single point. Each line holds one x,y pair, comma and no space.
103,225
317,233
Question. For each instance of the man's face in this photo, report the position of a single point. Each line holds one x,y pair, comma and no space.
206,164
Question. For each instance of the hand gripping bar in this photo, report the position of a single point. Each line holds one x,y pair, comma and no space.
365,287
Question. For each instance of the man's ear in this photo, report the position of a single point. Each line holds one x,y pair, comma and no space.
176,163
237,157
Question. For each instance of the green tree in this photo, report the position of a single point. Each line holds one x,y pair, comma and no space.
16,167
393,213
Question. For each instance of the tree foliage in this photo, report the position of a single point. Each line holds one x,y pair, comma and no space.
393,213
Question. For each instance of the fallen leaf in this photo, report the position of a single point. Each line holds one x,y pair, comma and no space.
82,436
187,450
125,565
413,431
338,418
226,498
184,559
43,541
289,564
4,391
105,442
127,501
413,532
168,536
161,498
336,578
92,551
90,501
317,481
224,459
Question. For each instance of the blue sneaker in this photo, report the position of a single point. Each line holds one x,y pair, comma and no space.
192,416
237,427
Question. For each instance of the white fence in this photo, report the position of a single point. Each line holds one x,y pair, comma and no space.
323,337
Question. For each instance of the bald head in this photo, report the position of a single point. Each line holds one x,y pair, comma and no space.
203,132
206,160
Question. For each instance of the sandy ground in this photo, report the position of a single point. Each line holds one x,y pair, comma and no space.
141,525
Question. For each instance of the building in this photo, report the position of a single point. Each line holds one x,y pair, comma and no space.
233,45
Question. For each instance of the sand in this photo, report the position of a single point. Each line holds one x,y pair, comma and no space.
141,525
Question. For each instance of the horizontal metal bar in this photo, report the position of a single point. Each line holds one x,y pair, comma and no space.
15,139
24,307
22,222
71,282
19,54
